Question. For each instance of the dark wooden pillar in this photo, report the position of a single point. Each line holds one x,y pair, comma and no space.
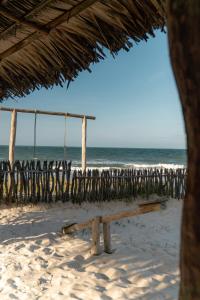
183,18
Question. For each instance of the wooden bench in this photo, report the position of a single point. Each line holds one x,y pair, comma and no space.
94,224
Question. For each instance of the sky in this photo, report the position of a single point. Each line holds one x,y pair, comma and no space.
133,97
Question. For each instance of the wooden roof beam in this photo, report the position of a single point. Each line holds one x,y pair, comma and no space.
4,12
29,14
75,10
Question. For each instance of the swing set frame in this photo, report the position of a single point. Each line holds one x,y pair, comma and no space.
13,129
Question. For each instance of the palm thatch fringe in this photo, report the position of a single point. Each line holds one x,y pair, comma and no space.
43,43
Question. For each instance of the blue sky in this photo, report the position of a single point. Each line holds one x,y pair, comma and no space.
133,96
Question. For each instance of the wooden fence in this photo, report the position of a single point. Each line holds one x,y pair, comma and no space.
115,184
35,181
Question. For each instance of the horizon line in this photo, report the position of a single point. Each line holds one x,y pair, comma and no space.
108,147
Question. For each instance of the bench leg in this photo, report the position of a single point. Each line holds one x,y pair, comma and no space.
107,238
95,250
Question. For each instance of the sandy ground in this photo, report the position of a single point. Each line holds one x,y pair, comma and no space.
36,262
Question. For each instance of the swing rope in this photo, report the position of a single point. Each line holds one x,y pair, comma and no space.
65,139
35,135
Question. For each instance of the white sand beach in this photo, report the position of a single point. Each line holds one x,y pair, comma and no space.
37,262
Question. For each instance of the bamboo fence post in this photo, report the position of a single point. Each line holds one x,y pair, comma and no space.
95,249
13,127
84,139
107,238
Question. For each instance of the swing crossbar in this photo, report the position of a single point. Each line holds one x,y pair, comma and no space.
36,112
44,112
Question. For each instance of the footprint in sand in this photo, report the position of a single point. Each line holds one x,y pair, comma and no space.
121,270
76,266
42,261
79,258
38,242
101,276
75,297
100,288
32,248
76,263
47,251
18,267
12,296
20,246
105,297
12,283
58,255
125,280
44,280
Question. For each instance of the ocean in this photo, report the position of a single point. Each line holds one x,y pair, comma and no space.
104,158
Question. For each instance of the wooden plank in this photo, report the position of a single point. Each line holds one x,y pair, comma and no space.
76,227
147,203
106,219
84,140
95,249
13,127
125,214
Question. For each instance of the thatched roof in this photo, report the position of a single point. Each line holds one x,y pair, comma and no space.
46,42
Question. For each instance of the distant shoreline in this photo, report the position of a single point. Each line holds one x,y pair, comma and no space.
104,158
96,147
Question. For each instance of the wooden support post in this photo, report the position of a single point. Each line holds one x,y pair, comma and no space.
95,249
84,138
183,20
107,238
13,127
